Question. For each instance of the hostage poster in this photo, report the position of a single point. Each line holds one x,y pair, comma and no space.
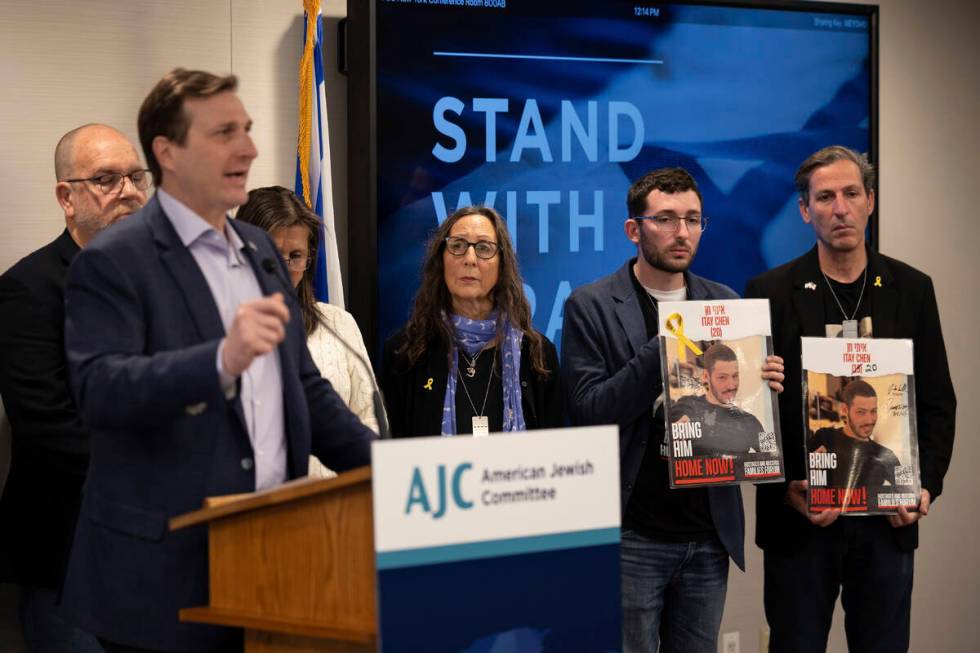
722,423
859,424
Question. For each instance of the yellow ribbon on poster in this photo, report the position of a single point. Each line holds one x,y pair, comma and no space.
675,325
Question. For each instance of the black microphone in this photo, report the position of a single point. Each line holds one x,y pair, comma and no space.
269,265
272,267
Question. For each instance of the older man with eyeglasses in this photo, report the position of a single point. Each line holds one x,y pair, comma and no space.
99,180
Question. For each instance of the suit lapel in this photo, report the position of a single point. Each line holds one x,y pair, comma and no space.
190,282
268,281
67,248
188,278
807,297
884,297
437,369
628,310
696,289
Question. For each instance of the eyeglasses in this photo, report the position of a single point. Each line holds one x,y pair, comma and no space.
110,182
482,248
670,223
298,262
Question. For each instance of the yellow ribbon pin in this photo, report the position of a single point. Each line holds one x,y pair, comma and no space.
428,384
675,324
877,282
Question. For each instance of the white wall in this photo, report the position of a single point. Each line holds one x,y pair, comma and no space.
930,139
64,63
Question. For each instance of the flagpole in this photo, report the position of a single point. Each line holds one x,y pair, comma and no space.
313,169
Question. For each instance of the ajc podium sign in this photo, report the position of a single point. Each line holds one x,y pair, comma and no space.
502,543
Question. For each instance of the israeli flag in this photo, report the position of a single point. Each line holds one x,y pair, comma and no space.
313,173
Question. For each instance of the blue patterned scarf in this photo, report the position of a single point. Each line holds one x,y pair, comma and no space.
472,336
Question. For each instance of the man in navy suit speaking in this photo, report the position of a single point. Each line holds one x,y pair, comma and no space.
189,365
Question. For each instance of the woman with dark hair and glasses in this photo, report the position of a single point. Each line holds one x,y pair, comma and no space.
295,230
468,361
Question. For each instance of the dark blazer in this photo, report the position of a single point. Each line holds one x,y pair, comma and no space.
414,404
902,306
612,375
142,335
49,448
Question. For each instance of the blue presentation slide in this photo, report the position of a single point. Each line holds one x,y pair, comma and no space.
549,110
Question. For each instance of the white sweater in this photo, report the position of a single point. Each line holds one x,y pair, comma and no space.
353,381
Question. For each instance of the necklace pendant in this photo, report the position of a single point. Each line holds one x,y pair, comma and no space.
481,425
470,371
850,328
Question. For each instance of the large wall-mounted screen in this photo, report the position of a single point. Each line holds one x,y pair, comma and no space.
548,110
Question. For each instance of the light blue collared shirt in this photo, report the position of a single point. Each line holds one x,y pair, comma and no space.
232,282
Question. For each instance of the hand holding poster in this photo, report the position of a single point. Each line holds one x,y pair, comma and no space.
859,418
722,423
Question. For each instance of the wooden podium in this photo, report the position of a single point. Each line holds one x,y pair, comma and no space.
293,566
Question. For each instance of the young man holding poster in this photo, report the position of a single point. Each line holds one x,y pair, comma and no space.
838,288
675,543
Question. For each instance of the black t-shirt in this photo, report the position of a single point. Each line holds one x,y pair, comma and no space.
725,430
480,386
654,510
848,294
860,463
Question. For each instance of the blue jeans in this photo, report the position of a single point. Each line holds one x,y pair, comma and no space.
856,557
45,628
673,593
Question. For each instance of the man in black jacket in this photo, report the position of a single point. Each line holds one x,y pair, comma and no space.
841,287
676,544
99,180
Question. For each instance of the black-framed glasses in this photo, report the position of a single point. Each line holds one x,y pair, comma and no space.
671,223
110,182
482,248
298,262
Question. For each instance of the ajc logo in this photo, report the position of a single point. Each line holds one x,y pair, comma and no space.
417,494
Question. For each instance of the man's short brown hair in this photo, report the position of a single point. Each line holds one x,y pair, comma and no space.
666,180
717,352
857,388
162,112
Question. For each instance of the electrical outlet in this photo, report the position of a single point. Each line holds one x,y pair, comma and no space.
729,642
